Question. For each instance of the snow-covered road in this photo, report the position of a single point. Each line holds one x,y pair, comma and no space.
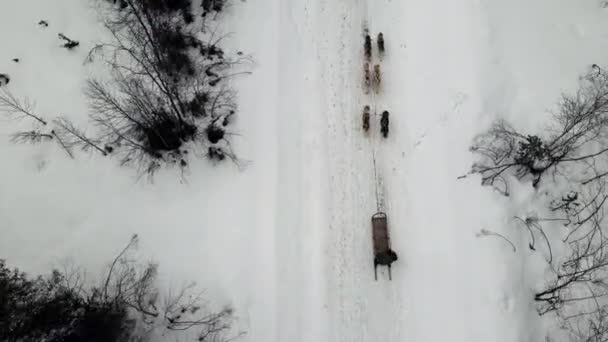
432,87
328,185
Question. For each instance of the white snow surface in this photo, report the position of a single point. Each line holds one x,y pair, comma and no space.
287,240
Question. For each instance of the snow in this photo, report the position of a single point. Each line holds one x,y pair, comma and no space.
287,241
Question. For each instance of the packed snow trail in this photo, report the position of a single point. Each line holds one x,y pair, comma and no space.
325,285
360,309
302,179
429,72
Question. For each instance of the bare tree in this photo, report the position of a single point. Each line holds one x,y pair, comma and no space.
578,287
576,136
31,137
16,108
134,286
571,150
72,137
168,90
127,306
168,93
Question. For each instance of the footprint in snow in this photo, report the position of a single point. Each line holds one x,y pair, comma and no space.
578,30
507,302
420,139
41,164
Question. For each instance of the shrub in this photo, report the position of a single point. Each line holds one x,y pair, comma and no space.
168,86
572,149
576,136
125,307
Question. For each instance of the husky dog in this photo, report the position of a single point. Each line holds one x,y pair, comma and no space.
384,124
367,80
367,47
380,42
366,110
377,78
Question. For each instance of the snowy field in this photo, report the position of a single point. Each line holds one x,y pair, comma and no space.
287,240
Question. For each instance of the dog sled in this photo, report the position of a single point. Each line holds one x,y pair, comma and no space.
383,254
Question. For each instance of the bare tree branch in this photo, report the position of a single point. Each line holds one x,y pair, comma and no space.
578,131
15,108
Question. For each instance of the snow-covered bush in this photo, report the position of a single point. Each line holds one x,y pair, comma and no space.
577,287
572,150
125,307
167,96
51,309
577,135
212,6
